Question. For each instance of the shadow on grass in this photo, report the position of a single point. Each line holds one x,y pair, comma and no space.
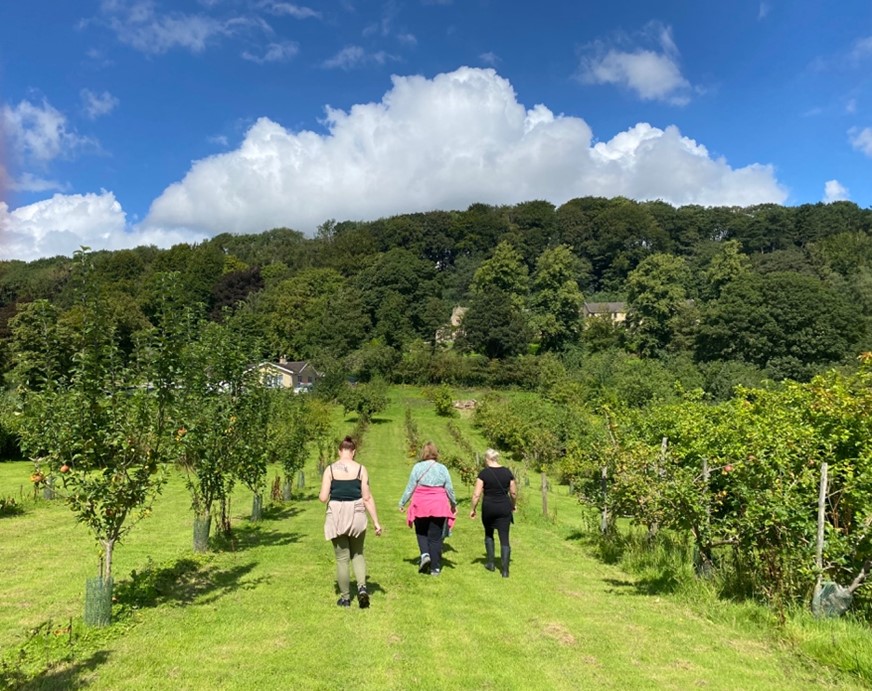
664,584
68,676
277,512
180,583
247,535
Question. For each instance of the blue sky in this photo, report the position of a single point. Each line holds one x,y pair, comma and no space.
127,122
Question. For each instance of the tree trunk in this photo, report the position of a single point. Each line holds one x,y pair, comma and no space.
224,524
257,507
108,550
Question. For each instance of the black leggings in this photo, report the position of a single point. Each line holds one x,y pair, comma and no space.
497,518
428,530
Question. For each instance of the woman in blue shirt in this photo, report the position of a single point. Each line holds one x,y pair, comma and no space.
433,503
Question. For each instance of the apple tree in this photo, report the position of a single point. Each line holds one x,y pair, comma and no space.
100,424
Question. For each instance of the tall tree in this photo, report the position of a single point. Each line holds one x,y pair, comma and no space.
493,326
557,300
658,302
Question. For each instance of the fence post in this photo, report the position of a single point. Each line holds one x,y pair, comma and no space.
604,521
821,518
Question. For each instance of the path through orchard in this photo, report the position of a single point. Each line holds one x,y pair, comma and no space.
268,617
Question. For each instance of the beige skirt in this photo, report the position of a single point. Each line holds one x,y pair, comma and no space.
344,518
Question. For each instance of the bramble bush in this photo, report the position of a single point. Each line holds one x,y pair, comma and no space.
742,477
739,477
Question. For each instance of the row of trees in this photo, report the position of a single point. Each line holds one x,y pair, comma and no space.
103,423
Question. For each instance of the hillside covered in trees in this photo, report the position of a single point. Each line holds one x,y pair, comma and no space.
714,296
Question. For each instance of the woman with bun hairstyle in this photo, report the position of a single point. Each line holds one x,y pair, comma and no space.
433,504
345,490
496,487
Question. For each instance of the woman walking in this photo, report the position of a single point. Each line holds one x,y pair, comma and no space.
496,487
433,503
345,490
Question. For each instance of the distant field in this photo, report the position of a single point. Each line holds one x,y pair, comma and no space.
262,614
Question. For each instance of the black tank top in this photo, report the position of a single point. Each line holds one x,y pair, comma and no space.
345,490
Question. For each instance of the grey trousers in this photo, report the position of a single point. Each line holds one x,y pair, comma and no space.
349,549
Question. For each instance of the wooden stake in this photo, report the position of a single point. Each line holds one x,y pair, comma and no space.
819,550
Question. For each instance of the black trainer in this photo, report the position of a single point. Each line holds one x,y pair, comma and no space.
362,597
343,602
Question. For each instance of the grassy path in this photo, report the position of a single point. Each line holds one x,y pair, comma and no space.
264,615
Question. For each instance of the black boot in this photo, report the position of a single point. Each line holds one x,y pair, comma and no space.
505,552
489,551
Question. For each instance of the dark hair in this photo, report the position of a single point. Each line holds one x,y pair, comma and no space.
429,452
347,444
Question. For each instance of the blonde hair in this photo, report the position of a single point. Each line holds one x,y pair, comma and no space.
491,456
429,452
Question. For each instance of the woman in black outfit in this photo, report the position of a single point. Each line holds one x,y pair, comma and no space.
497,485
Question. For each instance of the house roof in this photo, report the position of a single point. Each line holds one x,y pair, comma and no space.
293,368
604,307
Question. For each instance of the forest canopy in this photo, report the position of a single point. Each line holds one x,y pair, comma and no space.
714,296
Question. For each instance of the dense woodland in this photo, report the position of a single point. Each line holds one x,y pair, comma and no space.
716,296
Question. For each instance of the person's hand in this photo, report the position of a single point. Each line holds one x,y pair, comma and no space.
472,514
378,530
402,508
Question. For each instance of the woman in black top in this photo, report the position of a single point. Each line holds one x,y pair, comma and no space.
497,485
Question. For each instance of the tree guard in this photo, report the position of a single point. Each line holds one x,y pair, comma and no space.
98,601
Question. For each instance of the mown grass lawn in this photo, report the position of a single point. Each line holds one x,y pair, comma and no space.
262,613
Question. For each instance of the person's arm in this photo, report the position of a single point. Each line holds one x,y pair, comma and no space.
410,487
369,500
476,495
513,493
324,495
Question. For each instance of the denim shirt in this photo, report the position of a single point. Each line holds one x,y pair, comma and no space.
428,474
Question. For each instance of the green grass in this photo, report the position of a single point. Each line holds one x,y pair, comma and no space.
262,614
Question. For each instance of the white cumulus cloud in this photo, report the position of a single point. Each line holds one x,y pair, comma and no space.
63,223
653,73
834,191
440,143
443,143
